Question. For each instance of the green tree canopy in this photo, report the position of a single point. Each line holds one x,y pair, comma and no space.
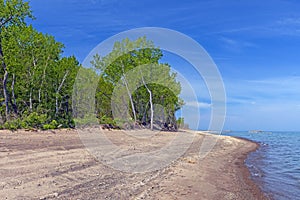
37,80
132,79
12,13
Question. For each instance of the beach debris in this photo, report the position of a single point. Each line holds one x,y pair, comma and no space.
53,195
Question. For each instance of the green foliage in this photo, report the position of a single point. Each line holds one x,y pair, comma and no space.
124,123
38,80
87,120
53,125
34,120
13,124
124,71
107,120
180,122
14,12
82,92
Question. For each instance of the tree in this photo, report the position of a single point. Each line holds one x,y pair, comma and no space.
121,60
132,64
64,74
39,80
150,101
82,93
30,55
103,98
158,87
12,13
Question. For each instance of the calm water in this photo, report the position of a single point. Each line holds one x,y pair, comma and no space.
276,165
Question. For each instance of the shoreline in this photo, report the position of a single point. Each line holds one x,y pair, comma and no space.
55,164
246,171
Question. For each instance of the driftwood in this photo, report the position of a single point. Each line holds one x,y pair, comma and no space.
169,127
109,127
142,125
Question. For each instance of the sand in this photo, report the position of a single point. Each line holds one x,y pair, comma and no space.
56,165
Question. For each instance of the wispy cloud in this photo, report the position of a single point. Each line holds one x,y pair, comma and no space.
277,27
236,45
198,104
239,29
289,21
271,90
264,104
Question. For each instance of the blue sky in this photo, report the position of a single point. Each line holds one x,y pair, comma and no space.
255,45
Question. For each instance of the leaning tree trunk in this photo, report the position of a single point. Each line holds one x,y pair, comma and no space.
151,107
13,97
57,92
43,79
130,98
30,100
5,76
151,104
129,94
5,93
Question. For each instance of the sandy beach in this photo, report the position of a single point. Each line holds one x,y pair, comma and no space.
56,165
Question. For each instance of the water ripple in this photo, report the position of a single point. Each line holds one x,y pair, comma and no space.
276,165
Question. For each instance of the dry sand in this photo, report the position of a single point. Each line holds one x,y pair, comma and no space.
55,165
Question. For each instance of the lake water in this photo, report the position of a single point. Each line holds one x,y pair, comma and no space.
275,166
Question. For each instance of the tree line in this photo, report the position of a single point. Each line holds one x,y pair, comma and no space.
36,80
132,79
134,88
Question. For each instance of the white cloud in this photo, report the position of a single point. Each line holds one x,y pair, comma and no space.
289,21
197,104
275,89
267,104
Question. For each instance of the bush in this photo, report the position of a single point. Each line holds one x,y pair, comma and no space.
65,122
53,125
12,125
34,120
125,123
180,122
87,120
107,120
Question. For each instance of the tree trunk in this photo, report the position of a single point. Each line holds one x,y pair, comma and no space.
30,100
5,76
58,90
163,109
145,113
5,94
31,75
130,98
13,98
129,94
43,79
151,104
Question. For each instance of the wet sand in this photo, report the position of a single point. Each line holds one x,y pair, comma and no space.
56,165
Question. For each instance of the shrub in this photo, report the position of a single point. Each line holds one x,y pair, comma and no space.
34,120
12,125
53,125
180,122
87,120
107,120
